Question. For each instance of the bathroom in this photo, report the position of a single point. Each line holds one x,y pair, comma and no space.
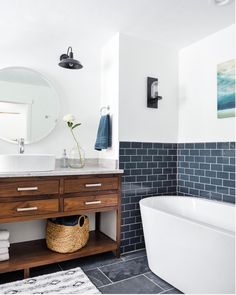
172,149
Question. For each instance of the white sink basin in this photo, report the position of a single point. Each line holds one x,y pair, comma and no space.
26,163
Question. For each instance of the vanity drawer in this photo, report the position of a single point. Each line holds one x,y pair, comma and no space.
91,184
29,188
90,202
25,208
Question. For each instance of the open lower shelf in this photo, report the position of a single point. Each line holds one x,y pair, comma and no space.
30,254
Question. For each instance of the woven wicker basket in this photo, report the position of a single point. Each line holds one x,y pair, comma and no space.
67,239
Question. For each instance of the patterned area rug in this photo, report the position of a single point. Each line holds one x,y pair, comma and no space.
73,281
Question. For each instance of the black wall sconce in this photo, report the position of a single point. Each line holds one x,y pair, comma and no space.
152,93
67,60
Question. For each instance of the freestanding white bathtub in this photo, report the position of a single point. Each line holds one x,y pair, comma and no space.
190,243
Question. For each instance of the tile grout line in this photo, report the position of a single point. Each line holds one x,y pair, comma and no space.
132,252
124,280
94,267
60,267
124,260
167,290
153,282
113,263
104,276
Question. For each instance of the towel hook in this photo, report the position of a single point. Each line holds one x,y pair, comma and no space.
107,108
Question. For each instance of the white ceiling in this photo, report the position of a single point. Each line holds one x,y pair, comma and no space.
176,22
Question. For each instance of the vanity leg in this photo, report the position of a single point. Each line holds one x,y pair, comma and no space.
97,220
26,273
117,253
118,225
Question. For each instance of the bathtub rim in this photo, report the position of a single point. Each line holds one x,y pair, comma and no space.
201,223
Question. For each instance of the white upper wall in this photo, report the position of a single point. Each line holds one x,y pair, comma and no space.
140,59
198,89
78,90
110,91
30,38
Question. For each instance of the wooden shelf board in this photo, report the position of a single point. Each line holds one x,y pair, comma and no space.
57,214
30,254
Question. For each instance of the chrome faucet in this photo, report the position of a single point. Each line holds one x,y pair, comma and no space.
21,144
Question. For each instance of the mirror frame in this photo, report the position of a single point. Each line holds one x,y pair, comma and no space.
58,101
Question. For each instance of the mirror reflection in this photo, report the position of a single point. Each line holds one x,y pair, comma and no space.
29,105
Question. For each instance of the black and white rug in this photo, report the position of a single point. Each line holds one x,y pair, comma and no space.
73,281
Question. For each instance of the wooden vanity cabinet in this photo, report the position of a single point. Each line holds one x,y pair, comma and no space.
32,198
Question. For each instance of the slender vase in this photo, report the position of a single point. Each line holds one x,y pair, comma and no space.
76,155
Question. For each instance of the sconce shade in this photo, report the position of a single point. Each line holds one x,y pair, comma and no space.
67,61
70,63
152,93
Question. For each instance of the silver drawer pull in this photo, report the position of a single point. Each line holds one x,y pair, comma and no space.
27,209
93,202
32,188
93,184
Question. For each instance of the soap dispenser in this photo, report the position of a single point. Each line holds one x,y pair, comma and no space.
64,160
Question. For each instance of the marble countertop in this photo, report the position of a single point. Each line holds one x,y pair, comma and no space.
89,169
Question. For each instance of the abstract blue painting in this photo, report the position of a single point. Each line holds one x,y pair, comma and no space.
226,89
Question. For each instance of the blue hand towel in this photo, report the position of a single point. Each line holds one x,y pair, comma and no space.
104,133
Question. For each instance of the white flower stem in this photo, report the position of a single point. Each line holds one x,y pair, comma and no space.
78,146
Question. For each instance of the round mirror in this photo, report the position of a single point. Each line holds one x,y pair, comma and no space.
29,105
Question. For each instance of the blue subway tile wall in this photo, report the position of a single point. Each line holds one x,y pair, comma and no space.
207,170
150,169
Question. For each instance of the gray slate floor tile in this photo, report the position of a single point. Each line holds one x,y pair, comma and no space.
126,269
91,262
132,255
157,280
173,291
97,277
137,285
129,274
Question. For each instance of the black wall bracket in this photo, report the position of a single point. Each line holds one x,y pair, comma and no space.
152,93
